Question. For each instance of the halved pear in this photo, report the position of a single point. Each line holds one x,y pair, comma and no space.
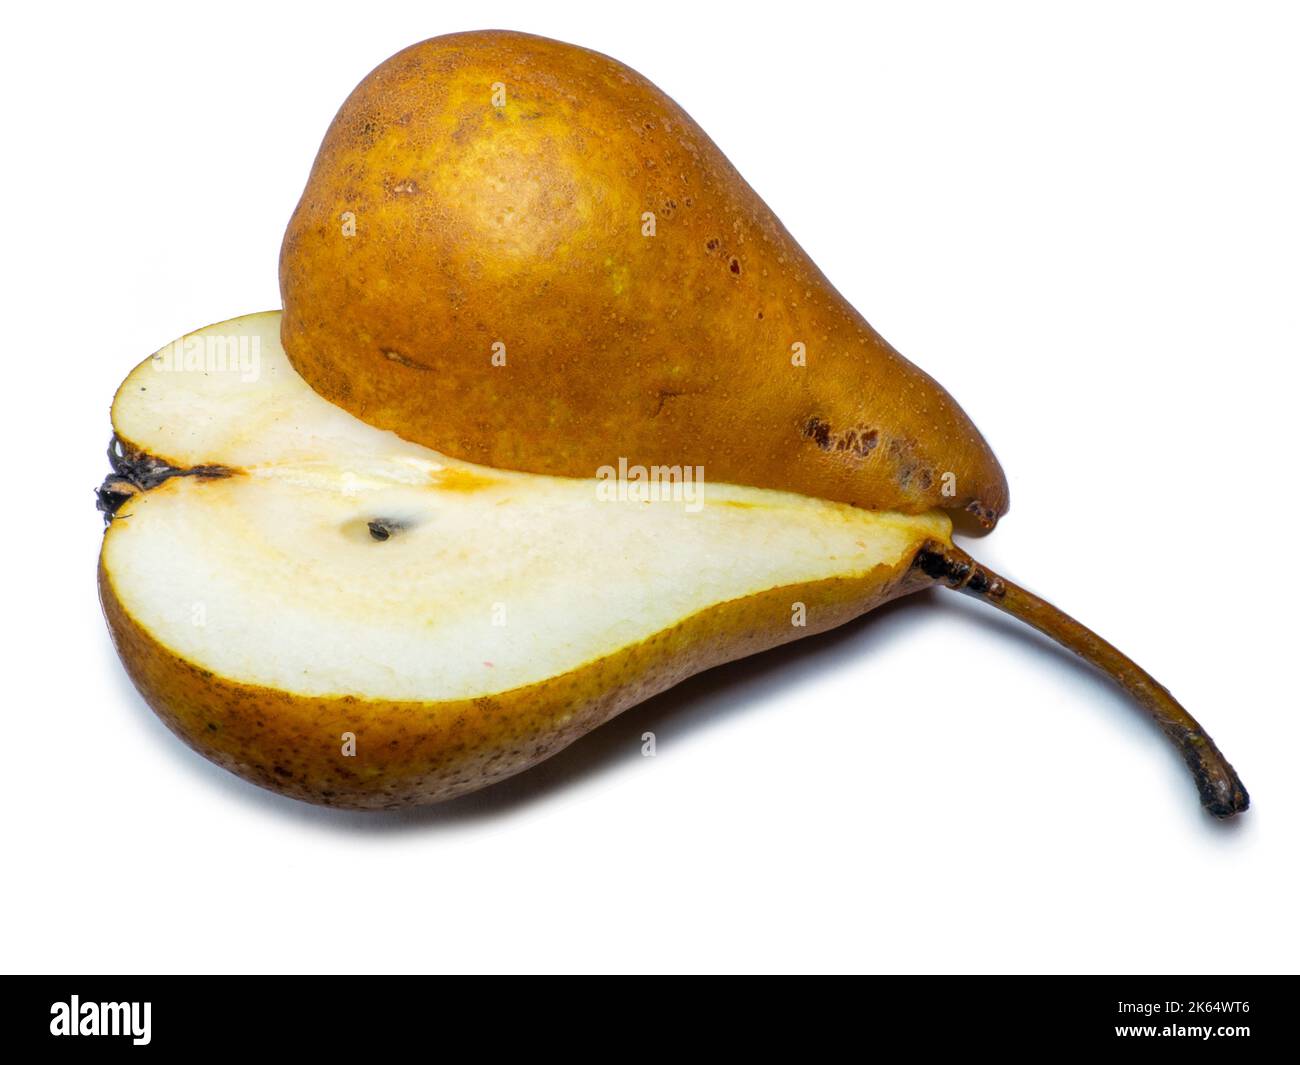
293,578
353,619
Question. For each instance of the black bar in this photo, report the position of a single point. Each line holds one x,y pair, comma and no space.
342,1014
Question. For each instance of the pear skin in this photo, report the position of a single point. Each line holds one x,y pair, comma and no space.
522,253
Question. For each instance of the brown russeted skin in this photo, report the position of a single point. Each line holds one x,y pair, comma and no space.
409,753
497,194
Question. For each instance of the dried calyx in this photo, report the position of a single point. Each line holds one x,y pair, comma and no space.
135,471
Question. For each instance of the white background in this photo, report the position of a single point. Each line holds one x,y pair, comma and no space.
1083,222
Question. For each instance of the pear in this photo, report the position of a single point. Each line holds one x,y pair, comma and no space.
353,619
522,253
556,415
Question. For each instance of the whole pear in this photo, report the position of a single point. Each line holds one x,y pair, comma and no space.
523,254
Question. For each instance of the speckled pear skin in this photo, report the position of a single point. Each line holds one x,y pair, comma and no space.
436,224
413,753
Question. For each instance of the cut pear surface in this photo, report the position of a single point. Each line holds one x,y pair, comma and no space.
287,574
484,580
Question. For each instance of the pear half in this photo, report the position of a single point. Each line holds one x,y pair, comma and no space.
352,619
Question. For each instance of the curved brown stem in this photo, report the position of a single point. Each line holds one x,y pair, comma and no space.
1222,793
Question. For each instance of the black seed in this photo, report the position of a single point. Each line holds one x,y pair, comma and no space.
382,528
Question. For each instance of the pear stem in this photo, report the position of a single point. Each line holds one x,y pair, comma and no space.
1222,793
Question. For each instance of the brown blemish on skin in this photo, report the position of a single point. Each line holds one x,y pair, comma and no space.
860,441
393,355
662,397
818,432
857,440
986,516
